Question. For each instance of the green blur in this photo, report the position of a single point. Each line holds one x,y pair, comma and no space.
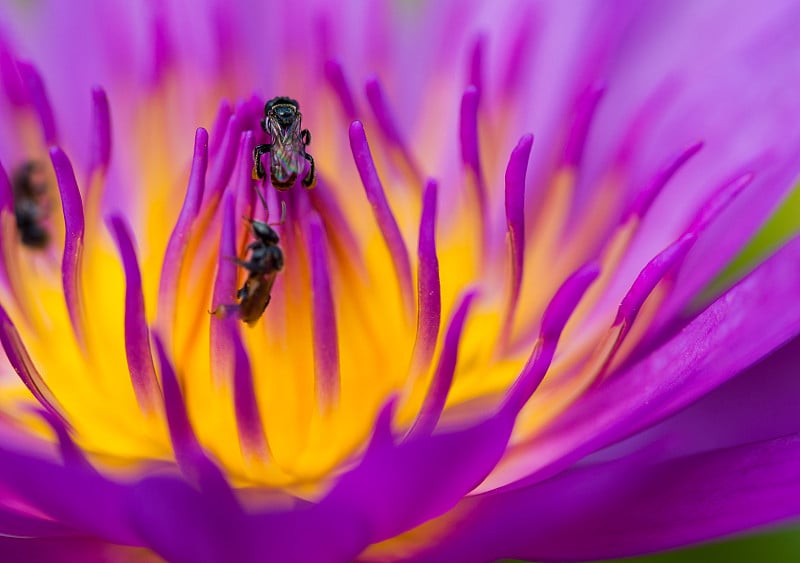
784,223
782,546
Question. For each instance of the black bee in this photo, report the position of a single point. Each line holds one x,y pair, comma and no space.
266,260
287,149
31,206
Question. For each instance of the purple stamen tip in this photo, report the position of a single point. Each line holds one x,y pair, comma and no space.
435,400
582,122
555,317
476,59
429,299
515,206
649,277
645,198
719,201
222,166
137,334
565,300
100,145
380,107
72,207
41,103
383,214
468,132
334,73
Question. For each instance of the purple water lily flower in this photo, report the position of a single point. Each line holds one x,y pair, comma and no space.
481,345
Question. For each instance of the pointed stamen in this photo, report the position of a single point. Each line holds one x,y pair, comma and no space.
178,242
383,214
649,277
520,54
719,201
12,82
41,102
645,197
334,74
515,221
435,399
100,141
22,364
579,130
429,298
475,69
137,333
388,125
72,259
326,346
555,317
222,165
470,151
249,424
220,126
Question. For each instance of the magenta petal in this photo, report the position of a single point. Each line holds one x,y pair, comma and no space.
398,485
737,330
61,550
182,524
629,507
75,496
759,404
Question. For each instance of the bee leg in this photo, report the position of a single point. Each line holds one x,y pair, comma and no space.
305,136
311,177
258,168
224,310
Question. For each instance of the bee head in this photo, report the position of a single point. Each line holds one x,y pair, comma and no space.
283,109
265,233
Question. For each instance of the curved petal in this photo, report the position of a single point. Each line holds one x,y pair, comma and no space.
759,404
736,331
628,507
66,550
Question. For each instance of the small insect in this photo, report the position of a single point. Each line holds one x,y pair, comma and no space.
287,149
31,205
266,260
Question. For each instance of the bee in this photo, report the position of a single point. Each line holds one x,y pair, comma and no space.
287,146
266,260
31,205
